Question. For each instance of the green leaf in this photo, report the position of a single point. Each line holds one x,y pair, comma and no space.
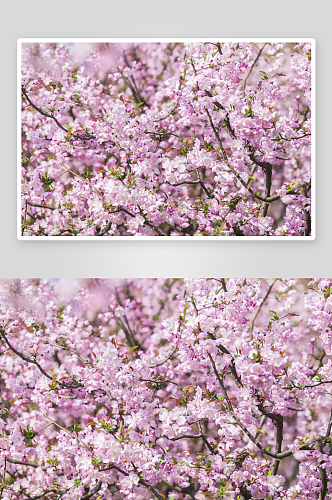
260,430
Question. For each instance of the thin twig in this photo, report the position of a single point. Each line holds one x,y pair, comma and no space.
94,490
164,117
205,440
223,284
39,205
225,158
3,477
68,349
70,434
84,180
260,307
51,115
328,432
162,362
319,444
238,421
53,490
20,462
304,187
251,68
34,362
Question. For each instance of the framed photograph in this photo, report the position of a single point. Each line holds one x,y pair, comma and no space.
176,138
166,389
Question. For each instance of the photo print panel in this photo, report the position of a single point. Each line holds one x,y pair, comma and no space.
166,389
166,138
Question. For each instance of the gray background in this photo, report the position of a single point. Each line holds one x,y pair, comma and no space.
160,18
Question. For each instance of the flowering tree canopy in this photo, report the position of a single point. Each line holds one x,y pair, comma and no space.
166,139
159,388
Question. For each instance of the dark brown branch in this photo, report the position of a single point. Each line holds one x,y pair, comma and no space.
224,350
51,115
261,424
190,490
148,223
184,182
279,421
319,444
225,158
141,481
279,456
267,167
121,325
34,362
223,284
212,451
39,205
68,349
53,490
80,177
226,120
94,490
184,436
121,209
328,432
292,138
20,462
304,188
162,133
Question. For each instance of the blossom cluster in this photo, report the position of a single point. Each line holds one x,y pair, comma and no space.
166,139
166,388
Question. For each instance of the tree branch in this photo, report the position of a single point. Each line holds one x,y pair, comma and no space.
260,307
227,122
51,115
141,481
82,179
270,199
279,456
184,436
53,490
34,362
94,490
304,187
319,443
267,167
251,68
224,350
328,432
170,113
20,462
39,205
279,420
212,451
162,362
70,434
